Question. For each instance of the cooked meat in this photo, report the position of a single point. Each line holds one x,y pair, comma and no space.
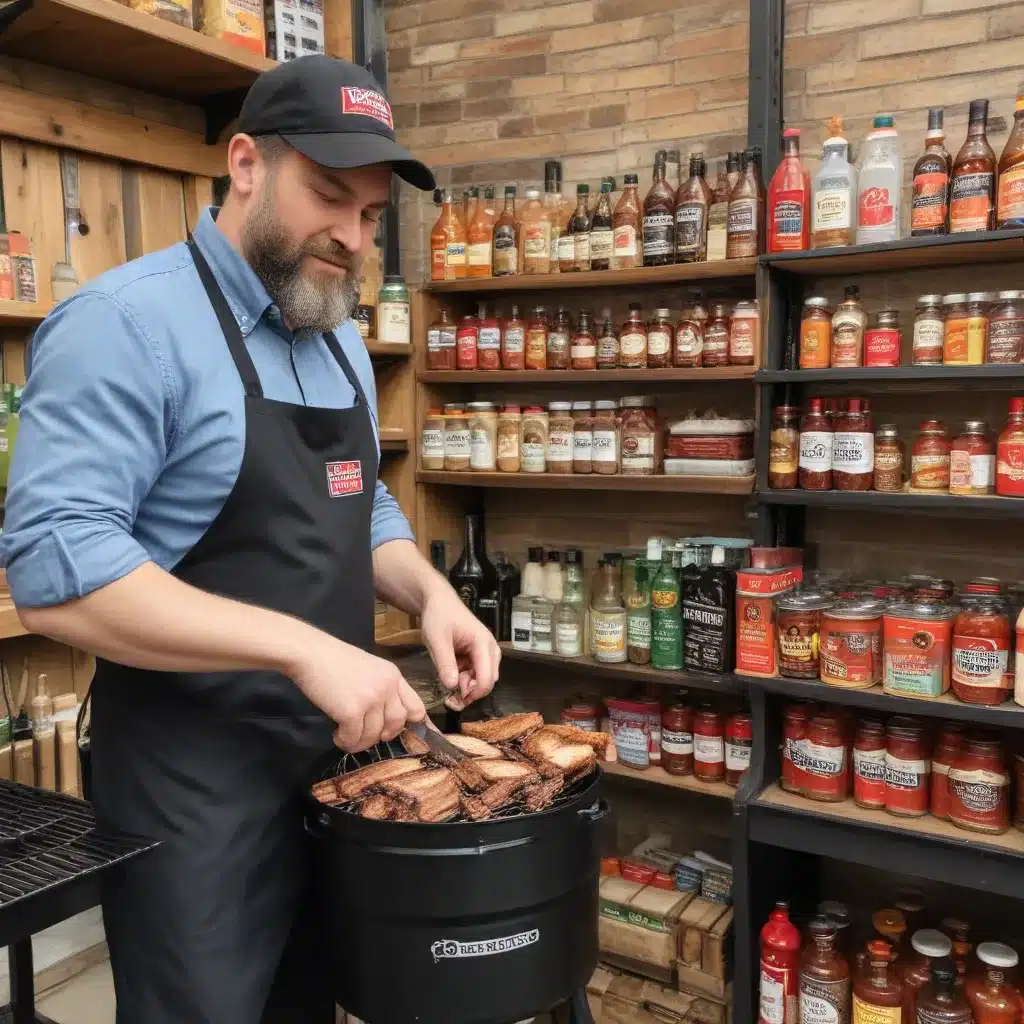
472,746
500,793
380,806
474,808
573,734
326,792
574,759
468,772
499,730
412,744
353,785
430,794
541,794
496,771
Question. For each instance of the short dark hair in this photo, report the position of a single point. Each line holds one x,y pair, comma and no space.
271,148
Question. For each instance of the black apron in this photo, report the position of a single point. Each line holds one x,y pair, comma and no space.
215,926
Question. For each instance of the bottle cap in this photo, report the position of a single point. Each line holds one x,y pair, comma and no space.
822,925
582,190
791,133
574,556
510,190
931,943
654,548
631,179
997,954
536,554
884,121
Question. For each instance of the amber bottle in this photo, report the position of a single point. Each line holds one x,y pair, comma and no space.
448,243
659,218
627,237
718,215
890,925
601,234
940,1001
915,970
824,976
1010,200
580,226
480,239
992,998
746,203
959,933
877,993
929,206
506,238
693,201
972,188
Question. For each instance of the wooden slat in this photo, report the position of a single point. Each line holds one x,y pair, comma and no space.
387,350
338,28
659,777
10,624
624,376
154,210
593,482
22,314
99,193
198,195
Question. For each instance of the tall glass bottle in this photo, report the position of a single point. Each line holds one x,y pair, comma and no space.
508,590
580,225
659,218
915,970
531,588
833,192
544,606
448,242
627,236
972,186
879,183
693,202
992,997
570,613
1010,200
637,598
534,235
743,238
601,233
608,614
718,215
473,576
929,203
940,1002
824,976
506,238
789,199
667,613
877,993
480,239
673,169
554,205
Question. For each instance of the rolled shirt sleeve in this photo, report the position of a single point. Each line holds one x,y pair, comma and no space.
92,439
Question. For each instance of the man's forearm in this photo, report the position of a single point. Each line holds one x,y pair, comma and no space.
404,578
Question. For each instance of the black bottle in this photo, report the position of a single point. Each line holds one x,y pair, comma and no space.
508,588
474,577
709,601
438,556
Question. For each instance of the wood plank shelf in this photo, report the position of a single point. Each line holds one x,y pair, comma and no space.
679,273
393,439
659,777
10,624
388,349
593,482
989,506
988,373
22,314
906,254
623,376
626,671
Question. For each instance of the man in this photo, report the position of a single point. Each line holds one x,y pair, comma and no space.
194,498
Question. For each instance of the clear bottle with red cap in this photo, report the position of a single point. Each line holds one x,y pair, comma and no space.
780,969
1010,453
789,199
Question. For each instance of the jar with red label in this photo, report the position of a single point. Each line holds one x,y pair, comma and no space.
929,460
467,342
851,642
794,734
744,333
739,738
660,336
853,449
677,739
824,758
947,749
441,343
582,713
708,745
488,340
798,626
982,637
536,353
1010,453
1006,329
907,768
513,342
716,336
972,460
979,787
884,341
869,764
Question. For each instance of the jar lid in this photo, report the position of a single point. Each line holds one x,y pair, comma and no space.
904,724
434,412
663,314
888,314
857,608
997,954
836,910
511,409
915,609
929,300
1010,295
453,407
954,298
637,402
582,406
932,427
745,306
559,406
975,426
802,600
604,403
979,296
887,432
481,406
787,410
817,301
533,410
931,942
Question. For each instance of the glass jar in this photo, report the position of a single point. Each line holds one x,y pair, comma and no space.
982,639
467,343
907,767
853,449
393,311
537,340
510,428
561,430
954,334
364,321
972,460
979,787
784,447
633,339
659,339
815,458
883,343
929,461
582,437
993,997
441,343
456,438
605,457
483,436
488,340
826,757
851,642
559,340
708,745
716,336
947,749
794,737
1006,329
739,739
848,323
916,643
744,333
583,352
534,445
689,342
888,459
798,629
513,342
677,739
816,334
869,764
978,305
432,441
929,328
638,439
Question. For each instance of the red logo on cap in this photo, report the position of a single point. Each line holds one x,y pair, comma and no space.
368,103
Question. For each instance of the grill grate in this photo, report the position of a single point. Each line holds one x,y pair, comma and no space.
48,838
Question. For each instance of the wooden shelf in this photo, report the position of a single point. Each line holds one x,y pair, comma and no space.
403,638
624,376
659,777
387,350
10,624
393,439
627,672
681,273
594,482
990,506
106,40
22,314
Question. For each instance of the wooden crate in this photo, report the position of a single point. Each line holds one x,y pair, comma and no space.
705,950
619,997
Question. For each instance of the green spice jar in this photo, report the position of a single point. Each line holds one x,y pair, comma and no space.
393,311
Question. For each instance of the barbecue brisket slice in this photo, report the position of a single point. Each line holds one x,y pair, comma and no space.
430,794
500,730
412,744
352,786
573,759
472,746
573,734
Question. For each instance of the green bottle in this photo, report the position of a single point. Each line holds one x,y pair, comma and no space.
637,595
666,615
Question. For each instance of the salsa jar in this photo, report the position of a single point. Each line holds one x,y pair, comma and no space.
889,459
825,758
456,438
979,787
513,342
815,459
853,449
883,342
708,745
467,343
907,768
784,447
432,440
815,334
948,746
536,352
869,748
929,328
660,338
916,643
794,735
677,739
633,339
851,643
1006,329
739,740
929,460
488,341
798,627
688,350
744,333
583,713
972,460
982,638
441,343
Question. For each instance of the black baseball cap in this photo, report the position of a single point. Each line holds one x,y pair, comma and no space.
331,111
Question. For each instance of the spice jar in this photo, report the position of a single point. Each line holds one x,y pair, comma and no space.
483,436
534,445
784,447
456,438
794,737
883,343
916,644
364,321
708,745
815,334
972,460
815,459
432,441
605,457
907,786
954,335
853,450
638,437
929,329
739,739
689,342
659,339
677,739
851,642
798,626
582,437
744,333
888,459
979,787
633,339
824,758
929,460
607,343
537,340
583,352
848,330
982,638
513,342
510,427
947,750
1006,329
559,339
561,429
488,340
869,764
441,343
978,304
716,336
467,340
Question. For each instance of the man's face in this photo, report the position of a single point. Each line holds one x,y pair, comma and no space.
306,232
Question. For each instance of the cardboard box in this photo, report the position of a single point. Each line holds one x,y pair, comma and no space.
295,28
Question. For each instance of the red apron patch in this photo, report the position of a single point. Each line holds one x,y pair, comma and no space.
344,478
368,103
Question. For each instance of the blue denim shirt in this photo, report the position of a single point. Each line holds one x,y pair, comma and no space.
133,425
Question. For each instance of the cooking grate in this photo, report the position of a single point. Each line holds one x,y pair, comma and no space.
47,838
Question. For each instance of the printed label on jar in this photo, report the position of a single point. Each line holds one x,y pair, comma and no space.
632,744
1006,341
532,455
824,1002
816,759
928,205
689,343
742,216
970,201
797,650
609,635
584,351
1010,203
537,241
481,450
604,449
638,453
969,473
437,341
490,338
624,241
916,656
930,472
978,661
1010,468
456,444
522,630
432,444
659,234
690,230
608,349
868,1013
678,743
832,207
741,339
903,774
846,345
816,451
601,244
782,457
581,250
869,765
560,445
708,749
787,221
508,444
978,790
515,338
875,208
564,248
567,639
638,631
479,254
778,1002
506,255
737,757
853,452
632,344
455,254
928,341
582,445
393,322
882,347
659,342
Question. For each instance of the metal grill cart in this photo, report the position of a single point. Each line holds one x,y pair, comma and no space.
52,861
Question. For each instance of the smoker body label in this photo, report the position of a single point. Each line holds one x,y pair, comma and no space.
449,949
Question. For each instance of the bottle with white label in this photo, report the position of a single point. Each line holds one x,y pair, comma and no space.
570,613
833,189
879,182
824,977
393,311
853,449
608,615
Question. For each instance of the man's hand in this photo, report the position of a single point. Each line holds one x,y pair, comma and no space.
464,652
367,696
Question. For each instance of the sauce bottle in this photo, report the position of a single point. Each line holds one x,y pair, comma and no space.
513,342
991,997
537,340
972,188
693,201
626,223
1010,200
534,235
607,343
560,340
941,1002
877,993
848,323
815,460
583,352
832,192
789,199
633,339
824,976
915,971
929,205
659,218
558,216
745,205
853,450
718,215
448,242
1010,453
601,234
959,933
879,179
780,969
505,260
580,225
480,239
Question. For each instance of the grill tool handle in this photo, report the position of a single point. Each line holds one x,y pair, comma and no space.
596,811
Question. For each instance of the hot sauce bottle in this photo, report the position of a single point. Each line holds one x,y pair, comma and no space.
780,969
659,218
992,998
929,206
973,184
1010,200
877,993
513,342
448,243
537,340
816,437
1010,453
505,261
824,976
601,233
743,236
480,239
693,200
580,225
789,199
940,1002
916,970
626,227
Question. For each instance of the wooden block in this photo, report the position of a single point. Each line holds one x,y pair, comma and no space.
14,360
99,195
696,919
154,210
714,960
665,974
690,979
198,195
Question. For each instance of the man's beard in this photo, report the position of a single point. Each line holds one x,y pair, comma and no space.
312,303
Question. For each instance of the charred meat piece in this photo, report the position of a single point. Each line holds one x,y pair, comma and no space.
353,785
501,730
469,774
431,794
474,808
541,794
573,734
326,792
380,806
412,744
500,793
473,747
572,759
500,771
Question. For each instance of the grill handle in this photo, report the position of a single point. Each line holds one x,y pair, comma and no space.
596,811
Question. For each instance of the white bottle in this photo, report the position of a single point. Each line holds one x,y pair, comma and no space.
834,192
879,182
